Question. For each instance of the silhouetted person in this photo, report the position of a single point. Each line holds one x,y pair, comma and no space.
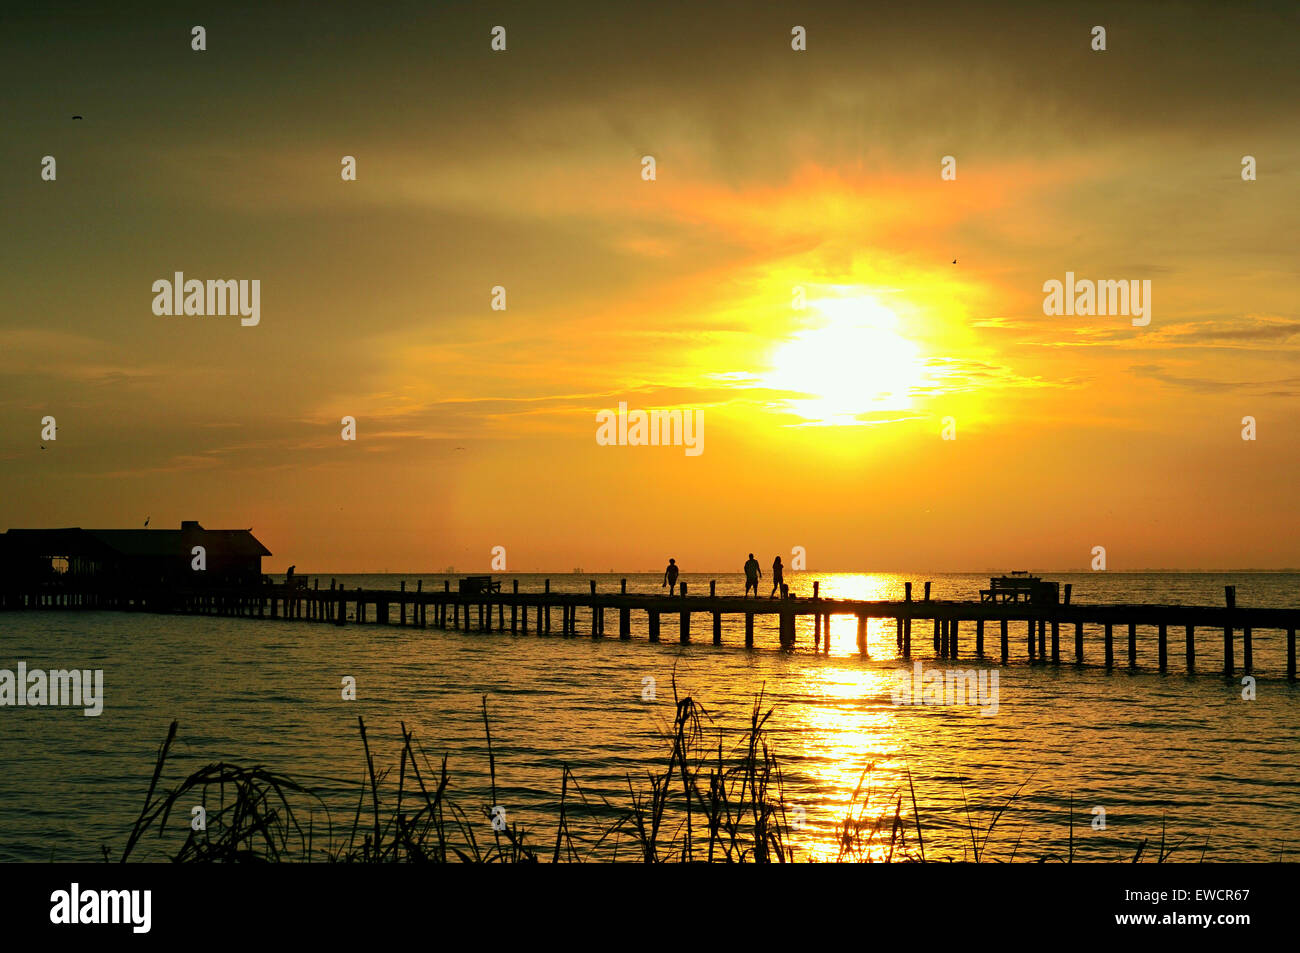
777,578
288,576
670,576
752,572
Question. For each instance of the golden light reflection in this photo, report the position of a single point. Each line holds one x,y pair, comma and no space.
851,731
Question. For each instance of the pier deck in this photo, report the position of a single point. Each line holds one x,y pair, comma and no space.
1006,631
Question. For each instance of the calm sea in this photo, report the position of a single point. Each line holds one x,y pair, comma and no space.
1185,753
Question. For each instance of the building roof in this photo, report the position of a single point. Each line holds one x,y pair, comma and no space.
140,542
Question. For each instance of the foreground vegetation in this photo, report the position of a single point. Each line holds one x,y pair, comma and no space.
706,803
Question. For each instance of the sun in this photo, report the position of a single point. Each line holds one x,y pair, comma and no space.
851,361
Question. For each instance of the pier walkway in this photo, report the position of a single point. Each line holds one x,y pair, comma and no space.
1006,631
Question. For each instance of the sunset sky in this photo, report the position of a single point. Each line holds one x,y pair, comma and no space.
775,169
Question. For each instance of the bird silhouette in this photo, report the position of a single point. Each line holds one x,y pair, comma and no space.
146,521
76,117
954,261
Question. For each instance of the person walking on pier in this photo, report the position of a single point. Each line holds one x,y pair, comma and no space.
752,572
670,576
777,578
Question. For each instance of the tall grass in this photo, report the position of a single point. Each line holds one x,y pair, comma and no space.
707,801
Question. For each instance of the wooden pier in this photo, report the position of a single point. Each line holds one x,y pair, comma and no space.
1004,632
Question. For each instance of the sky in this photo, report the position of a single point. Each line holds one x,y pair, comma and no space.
775,169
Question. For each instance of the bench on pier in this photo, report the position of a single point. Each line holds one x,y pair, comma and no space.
1021,587
477,585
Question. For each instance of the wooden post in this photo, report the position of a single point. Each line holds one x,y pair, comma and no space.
596,622
898,634
654,624
787,628
1068,587
816,587
546,611
514,606
862,636
713,588
1006,646
1162,637
684,625
523,619
1132,645
1031,640
907,621
717,627
1290,654
1078,643
979,638
1056,642
1042,640
1230,596
749,630
1191,648
1110,646
1247,650
622,587
938,638
927,592
625,623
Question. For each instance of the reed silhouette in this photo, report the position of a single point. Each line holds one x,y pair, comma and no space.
703,803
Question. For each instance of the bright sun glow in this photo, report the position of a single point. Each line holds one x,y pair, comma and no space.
851,361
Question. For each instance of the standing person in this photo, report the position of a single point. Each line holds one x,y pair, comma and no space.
752,572
777,578
670,576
